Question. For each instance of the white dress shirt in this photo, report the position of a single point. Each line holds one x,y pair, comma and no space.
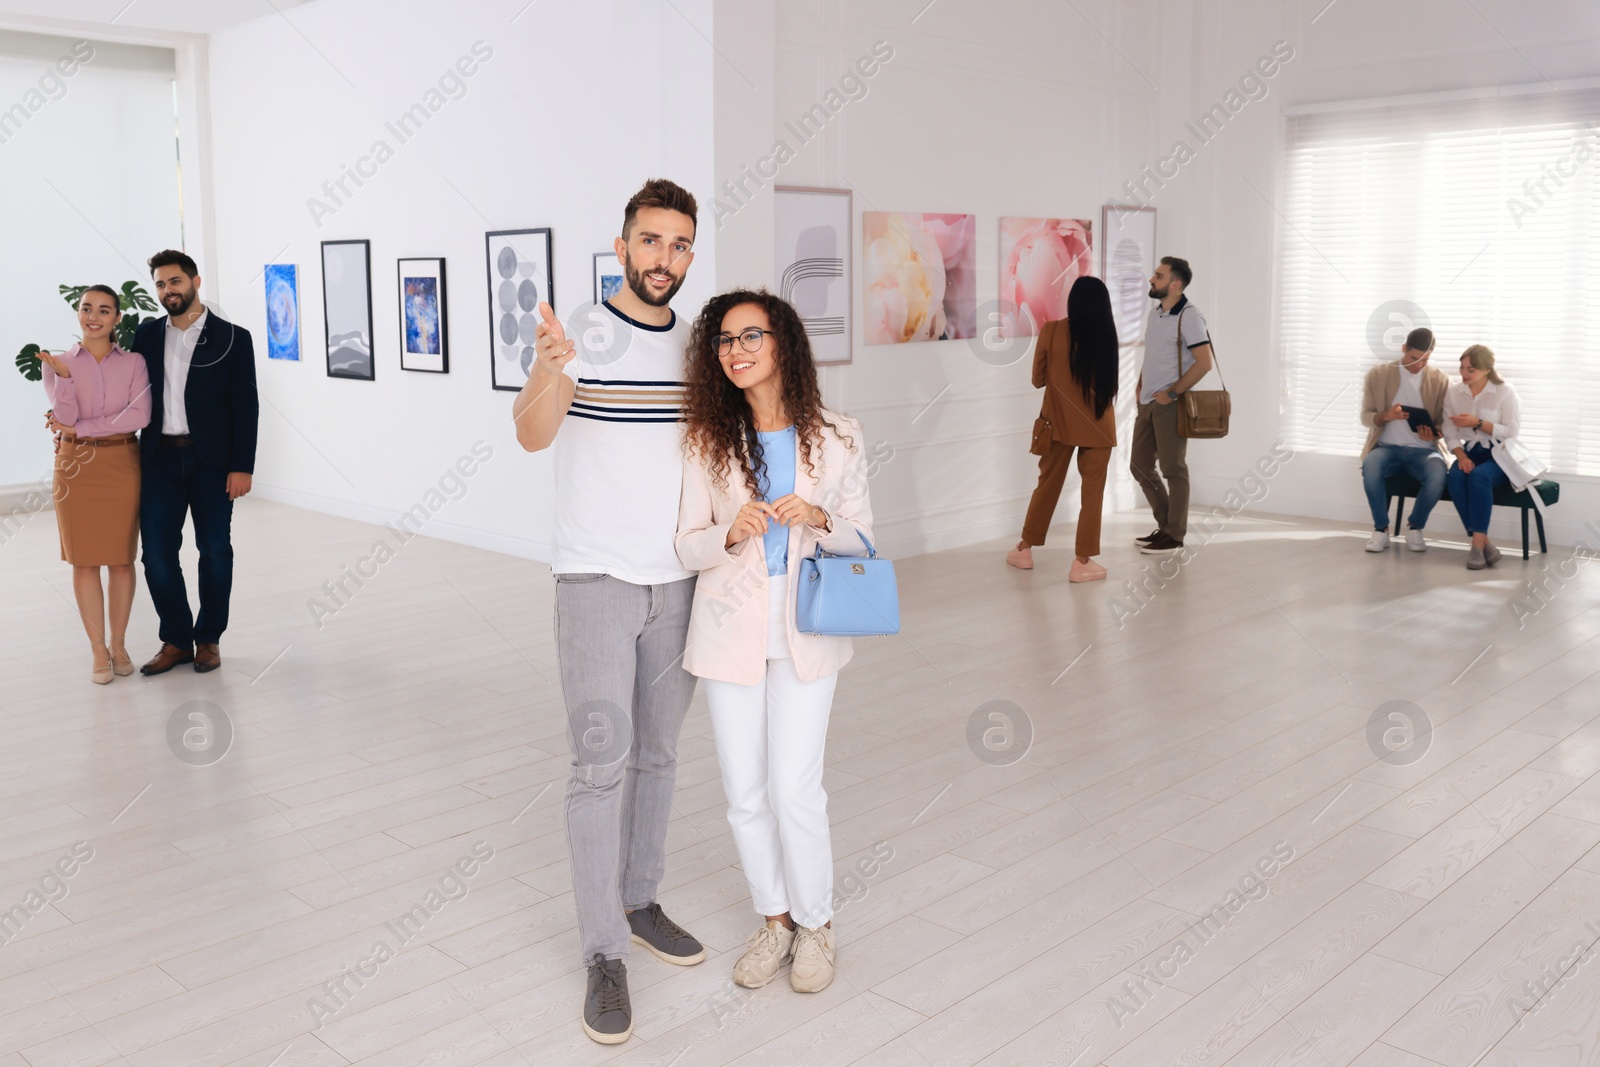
175,373
1497,404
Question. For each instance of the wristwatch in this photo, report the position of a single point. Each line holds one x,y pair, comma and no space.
827,520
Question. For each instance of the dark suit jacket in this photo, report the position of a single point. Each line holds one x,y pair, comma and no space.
1066,403
219,397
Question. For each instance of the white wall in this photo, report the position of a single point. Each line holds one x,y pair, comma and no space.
576,106
1019,108
978,111
1358,49
90,184
956,121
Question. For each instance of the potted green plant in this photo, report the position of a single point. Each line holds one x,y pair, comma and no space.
135,299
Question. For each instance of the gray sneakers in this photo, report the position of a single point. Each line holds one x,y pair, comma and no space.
669,941
812,971
607,1011
770,948
1475,559
1491,555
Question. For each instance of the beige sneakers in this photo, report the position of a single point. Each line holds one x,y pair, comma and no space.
769,950
813,959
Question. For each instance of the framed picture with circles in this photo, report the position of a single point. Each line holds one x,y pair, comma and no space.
520,278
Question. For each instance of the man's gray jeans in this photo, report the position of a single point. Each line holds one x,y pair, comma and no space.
620,648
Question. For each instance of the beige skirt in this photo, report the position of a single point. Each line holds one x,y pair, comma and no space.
97,500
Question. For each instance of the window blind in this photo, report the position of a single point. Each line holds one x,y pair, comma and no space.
1479,218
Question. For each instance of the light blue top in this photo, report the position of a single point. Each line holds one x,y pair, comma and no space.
776,479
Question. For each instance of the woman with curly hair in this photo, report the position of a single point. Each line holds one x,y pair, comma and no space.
769,475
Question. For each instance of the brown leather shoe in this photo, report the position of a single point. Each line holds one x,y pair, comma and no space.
169,657
207,658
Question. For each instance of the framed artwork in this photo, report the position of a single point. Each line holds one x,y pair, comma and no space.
520,278
1127,259
920,283
1039,261
347,308
813,265
424,331
283,311
608,276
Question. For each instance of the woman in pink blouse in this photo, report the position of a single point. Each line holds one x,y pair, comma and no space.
100,398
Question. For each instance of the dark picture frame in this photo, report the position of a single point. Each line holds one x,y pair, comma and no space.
423,269
347,310
520,276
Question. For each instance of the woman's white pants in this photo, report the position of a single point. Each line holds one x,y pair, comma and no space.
770,738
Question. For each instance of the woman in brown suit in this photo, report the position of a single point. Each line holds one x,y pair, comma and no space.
99,398
1075,362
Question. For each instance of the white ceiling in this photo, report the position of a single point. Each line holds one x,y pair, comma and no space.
184,16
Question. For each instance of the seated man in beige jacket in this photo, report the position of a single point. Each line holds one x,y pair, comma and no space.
1394,446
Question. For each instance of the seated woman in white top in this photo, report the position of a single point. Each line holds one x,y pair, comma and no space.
1477,411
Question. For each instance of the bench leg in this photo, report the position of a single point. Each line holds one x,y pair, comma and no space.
1524,533
1539,519
1399,513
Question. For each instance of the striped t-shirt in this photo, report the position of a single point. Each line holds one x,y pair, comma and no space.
619,458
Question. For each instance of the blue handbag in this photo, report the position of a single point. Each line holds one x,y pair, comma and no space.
847,596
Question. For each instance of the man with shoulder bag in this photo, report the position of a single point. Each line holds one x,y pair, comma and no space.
1177,354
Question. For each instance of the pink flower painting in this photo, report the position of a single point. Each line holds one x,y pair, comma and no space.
1039,261
921,279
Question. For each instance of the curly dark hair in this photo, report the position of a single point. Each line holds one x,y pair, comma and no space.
719,424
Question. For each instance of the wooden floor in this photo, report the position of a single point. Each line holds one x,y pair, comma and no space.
1111,897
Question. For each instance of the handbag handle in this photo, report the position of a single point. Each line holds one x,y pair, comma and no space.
872,553
1216,362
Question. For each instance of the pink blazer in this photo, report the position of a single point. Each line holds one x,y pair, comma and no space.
728,622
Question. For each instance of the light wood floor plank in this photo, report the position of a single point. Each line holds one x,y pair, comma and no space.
1026,902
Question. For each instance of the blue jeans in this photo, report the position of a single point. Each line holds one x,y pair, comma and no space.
1426,465
1473,493
176,483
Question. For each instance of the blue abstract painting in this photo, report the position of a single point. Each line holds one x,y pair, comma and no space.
422,316
283,311
608,276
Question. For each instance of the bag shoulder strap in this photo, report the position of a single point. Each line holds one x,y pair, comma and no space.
1216,363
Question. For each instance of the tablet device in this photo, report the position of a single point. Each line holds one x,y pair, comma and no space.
1417,418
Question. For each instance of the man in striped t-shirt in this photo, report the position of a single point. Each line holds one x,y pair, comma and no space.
622,595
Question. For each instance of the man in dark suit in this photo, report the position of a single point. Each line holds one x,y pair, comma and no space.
198,454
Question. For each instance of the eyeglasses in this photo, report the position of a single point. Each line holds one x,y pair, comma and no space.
749,340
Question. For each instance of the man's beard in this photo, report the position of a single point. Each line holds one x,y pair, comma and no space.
636,282
183,308
1158,294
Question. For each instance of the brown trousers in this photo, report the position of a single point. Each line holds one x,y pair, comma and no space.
1156,441
1092,464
